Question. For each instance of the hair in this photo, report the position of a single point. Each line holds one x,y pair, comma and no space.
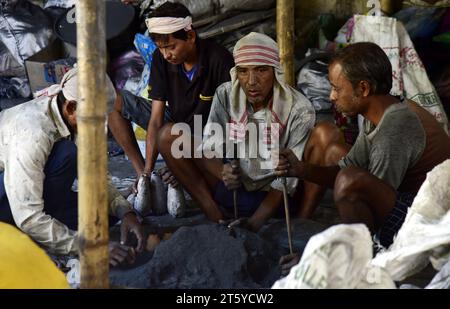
366,62
170,9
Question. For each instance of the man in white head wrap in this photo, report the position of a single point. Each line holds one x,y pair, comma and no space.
185,73
252,116
38,168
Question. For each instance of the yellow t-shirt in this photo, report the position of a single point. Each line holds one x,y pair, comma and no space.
23,265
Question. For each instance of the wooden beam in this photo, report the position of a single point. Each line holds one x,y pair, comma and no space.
92,159
285,38
388,6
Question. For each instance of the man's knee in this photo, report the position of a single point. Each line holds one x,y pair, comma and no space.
326,133
164,138
349,181
334,153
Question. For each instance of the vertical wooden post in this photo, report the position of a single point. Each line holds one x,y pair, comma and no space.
92,160
285,37
388,6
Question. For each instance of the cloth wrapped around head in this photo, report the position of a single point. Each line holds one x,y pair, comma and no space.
168,25
257,49
69,88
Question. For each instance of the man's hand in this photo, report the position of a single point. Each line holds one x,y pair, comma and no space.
231,176
118,254
287,262
243,223
167,177
131,224
289,165
233,223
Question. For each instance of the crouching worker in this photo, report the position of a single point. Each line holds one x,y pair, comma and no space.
185,73
377,181
256,100
38,166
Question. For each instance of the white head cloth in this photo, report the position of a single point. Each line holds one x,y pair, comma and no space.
256,49
168,25
69,87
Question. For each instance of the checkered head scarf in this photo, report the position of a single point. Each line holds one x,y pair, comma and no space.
257,49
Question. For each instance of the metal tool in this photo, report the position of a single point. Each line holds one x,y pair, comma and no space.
235,163
286,210
265,176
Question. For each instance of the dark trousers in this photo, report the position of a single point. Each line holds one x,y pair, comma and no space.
60,201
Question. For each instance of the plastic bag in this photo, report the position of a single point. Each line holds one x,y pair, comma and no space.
25,29
424,236
8,64
442,279
213,7
338,258
176,202
424,3
196,7
146,47
245,5
420,22
409,76
126,69
15,87
229,39
313,82
158,195
59,3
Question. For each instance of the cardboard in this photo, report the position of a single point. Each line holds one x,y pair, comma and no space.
41,70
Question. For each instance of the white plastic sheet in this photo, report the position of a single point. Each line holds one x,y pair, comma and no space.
341,257
212,7
409,76
338,258
425,234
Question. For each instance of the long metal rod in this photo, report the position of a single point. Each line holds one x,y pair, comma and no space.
92,160
235,164
288,217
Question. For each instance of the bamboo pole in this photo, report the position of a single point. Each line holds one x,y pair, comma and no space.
92,160
376,7
285,37
388,6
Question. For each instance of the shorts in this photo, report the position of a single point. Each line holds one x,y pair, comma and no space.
139,110
247,201
395,219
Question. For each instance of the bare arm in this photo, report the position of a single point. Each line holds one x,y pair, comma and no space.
214,167
321,175
290,166
154,125
266,210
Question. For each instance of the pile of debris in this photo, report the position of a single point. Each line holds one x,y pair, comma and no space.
205,256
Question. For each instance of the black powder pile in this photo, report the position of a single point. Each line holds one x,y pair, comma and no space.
206,256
